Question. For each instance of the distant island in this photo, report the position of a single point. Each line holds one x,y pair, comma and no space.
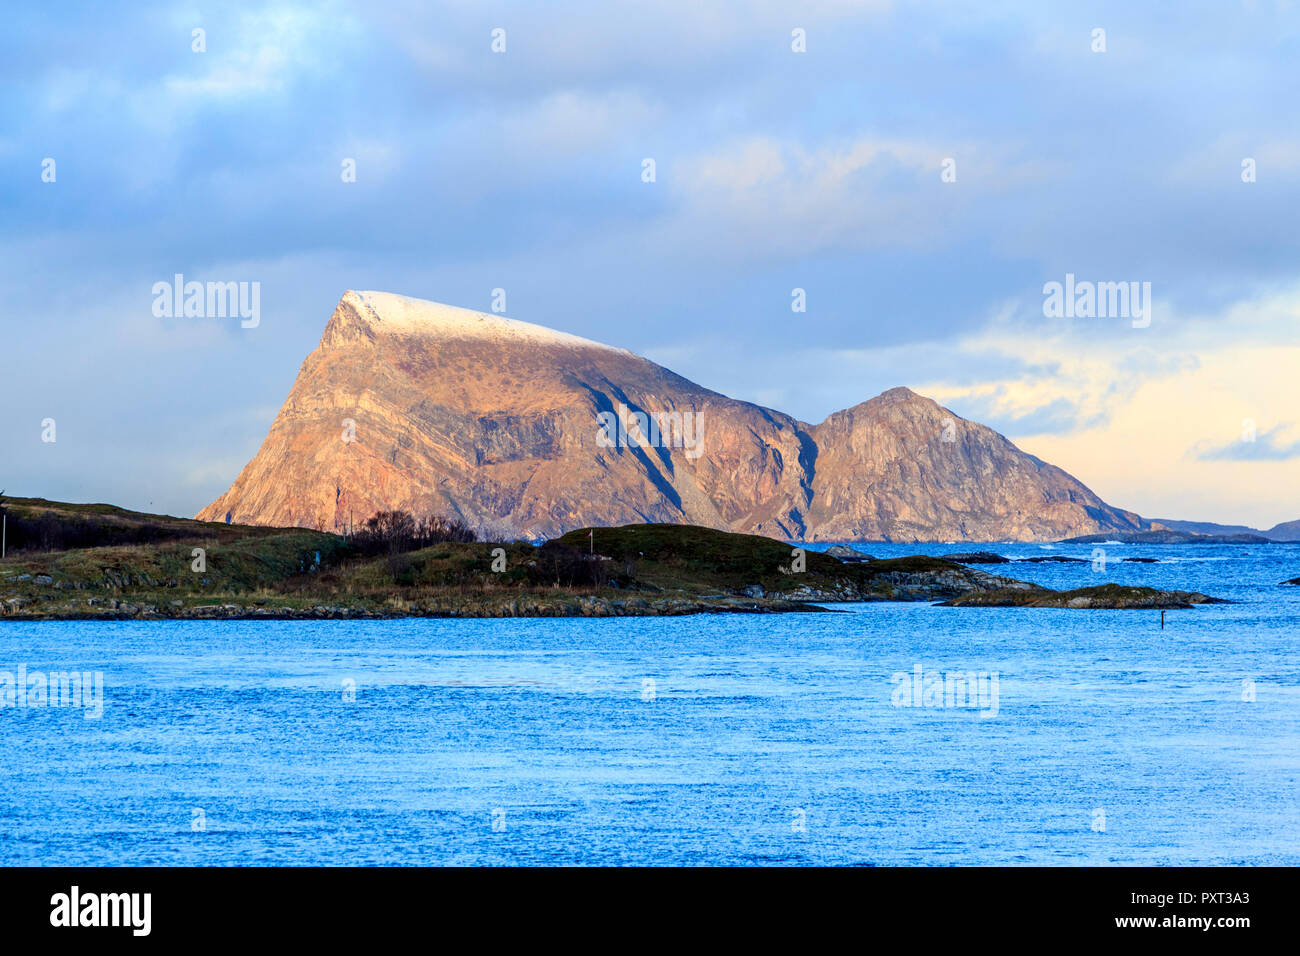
1157,536
74,561
521,431
1283,532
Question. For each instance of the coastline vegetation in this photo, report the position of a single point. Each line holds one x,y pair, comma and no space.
67,561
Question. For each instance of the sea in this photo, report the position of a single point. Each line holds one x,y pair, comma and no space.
877,734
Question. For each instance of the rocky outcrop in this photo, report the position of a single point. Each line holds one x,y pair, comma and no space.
1101,597
525,432
845,553
977,557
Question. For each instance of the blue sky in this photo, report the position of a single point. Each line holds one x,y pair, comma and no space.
521,170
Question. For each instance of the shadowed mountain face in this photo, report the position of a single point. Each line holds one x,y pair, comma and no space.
526,432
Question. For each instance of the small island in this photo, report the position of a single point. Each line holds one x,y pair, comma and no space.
1166,536
1110,596
73,561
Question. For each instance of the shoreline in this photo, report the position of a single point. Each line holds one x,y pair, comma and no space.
579,609
119,566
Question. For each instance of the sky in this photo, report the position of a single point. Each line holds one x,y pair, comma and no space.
921,170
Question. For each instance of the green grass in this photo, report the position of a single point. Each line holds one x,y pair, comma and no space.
38,525
686,556
241,559
227,565
295,569
683,556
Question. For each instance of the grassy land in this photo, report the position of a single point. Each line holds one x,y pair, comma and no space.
686,556
160,566
38,524
175,567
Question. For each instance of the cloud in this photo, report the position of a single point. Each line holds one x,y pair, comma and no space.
780,196
1264,446
258,53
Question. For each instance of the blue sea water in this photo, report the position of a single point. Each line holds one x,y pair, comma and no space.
720,739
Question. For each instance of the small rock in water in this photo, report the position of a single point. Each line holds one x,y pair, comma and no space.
845,553
976,557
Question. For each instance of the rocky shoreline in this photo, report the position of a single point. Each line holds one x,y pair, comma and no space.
1101,597
582,606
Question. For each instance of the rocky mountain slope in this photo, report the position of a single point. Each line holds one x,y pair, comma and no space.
522,431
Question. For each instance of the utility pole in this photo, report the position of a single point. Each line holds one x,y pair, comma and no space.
591,533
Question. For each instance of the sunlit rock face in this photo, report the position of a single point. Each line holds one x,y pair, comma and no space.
522,431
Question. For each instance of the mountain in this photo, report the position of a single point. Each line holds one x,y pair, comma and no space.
1286,531
1204,527
883,471
523,431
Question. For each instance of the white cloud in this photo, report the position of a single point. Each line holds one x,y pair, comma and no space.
257,53
765,196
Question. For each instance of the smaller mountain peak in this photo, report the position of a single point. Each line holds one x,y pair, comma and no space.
900,393
896,401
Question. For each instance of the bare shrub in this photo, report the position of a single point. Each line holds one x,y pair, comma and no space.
395,532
